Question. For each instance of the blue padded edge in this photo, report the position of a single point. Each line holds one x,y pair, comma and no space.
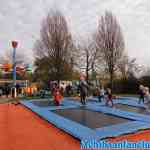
124,128
130,102
127,97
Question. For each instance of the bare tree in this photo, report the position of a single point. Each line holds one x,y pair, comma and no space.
55,45
87,57
110,42
128,67
122,66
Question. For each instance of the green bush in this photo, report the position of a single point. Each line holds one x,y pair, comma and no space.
126,86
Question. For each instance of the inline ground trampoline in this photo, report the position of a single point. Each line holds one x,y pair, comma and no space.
93,120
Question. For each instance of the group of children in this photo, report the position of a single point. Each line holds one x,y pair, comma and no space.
103,95
106,95
144,96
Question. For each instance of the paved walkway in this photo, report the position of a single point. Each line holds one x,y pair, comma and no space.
20,129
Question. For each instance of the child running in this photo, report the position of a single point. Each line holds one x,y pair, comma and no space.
109,97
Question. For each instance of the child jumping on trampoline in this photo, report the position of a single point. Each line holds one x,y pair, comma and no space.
101,94
57,96
109,97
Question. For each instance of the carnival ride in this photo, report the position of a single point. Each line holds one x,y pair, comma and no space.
20,68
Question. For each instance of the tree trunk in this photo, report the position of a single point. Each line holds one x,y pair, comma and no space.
111,80
87,67
87,77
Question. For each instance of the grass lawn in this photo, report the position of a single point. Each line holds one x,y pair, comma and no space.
7,100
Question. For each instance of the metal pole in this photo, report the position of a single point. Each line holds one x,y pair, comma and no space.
14,71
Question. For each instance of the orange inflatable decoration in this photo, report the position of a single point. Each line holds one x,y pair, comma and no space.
6,67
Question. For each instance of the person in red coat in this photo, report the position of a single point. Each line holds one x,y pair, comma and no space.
57,96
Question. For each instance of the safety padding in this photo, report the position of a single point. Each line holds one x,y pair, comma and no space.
81,132
119,129
130,102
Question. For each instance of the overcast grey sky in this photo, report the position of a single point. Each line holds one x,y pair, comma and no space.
21,20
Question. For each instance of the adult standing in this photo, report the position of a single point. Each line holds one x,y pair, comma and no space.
83,87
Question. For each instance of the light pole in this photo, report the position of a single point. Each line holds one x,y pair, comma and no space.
14,45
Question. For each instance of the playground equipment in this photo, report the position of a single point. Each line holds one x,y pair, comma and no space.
20,69
6,67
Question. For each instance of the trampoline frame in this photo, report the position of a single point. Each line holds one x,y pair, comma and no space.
82,132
